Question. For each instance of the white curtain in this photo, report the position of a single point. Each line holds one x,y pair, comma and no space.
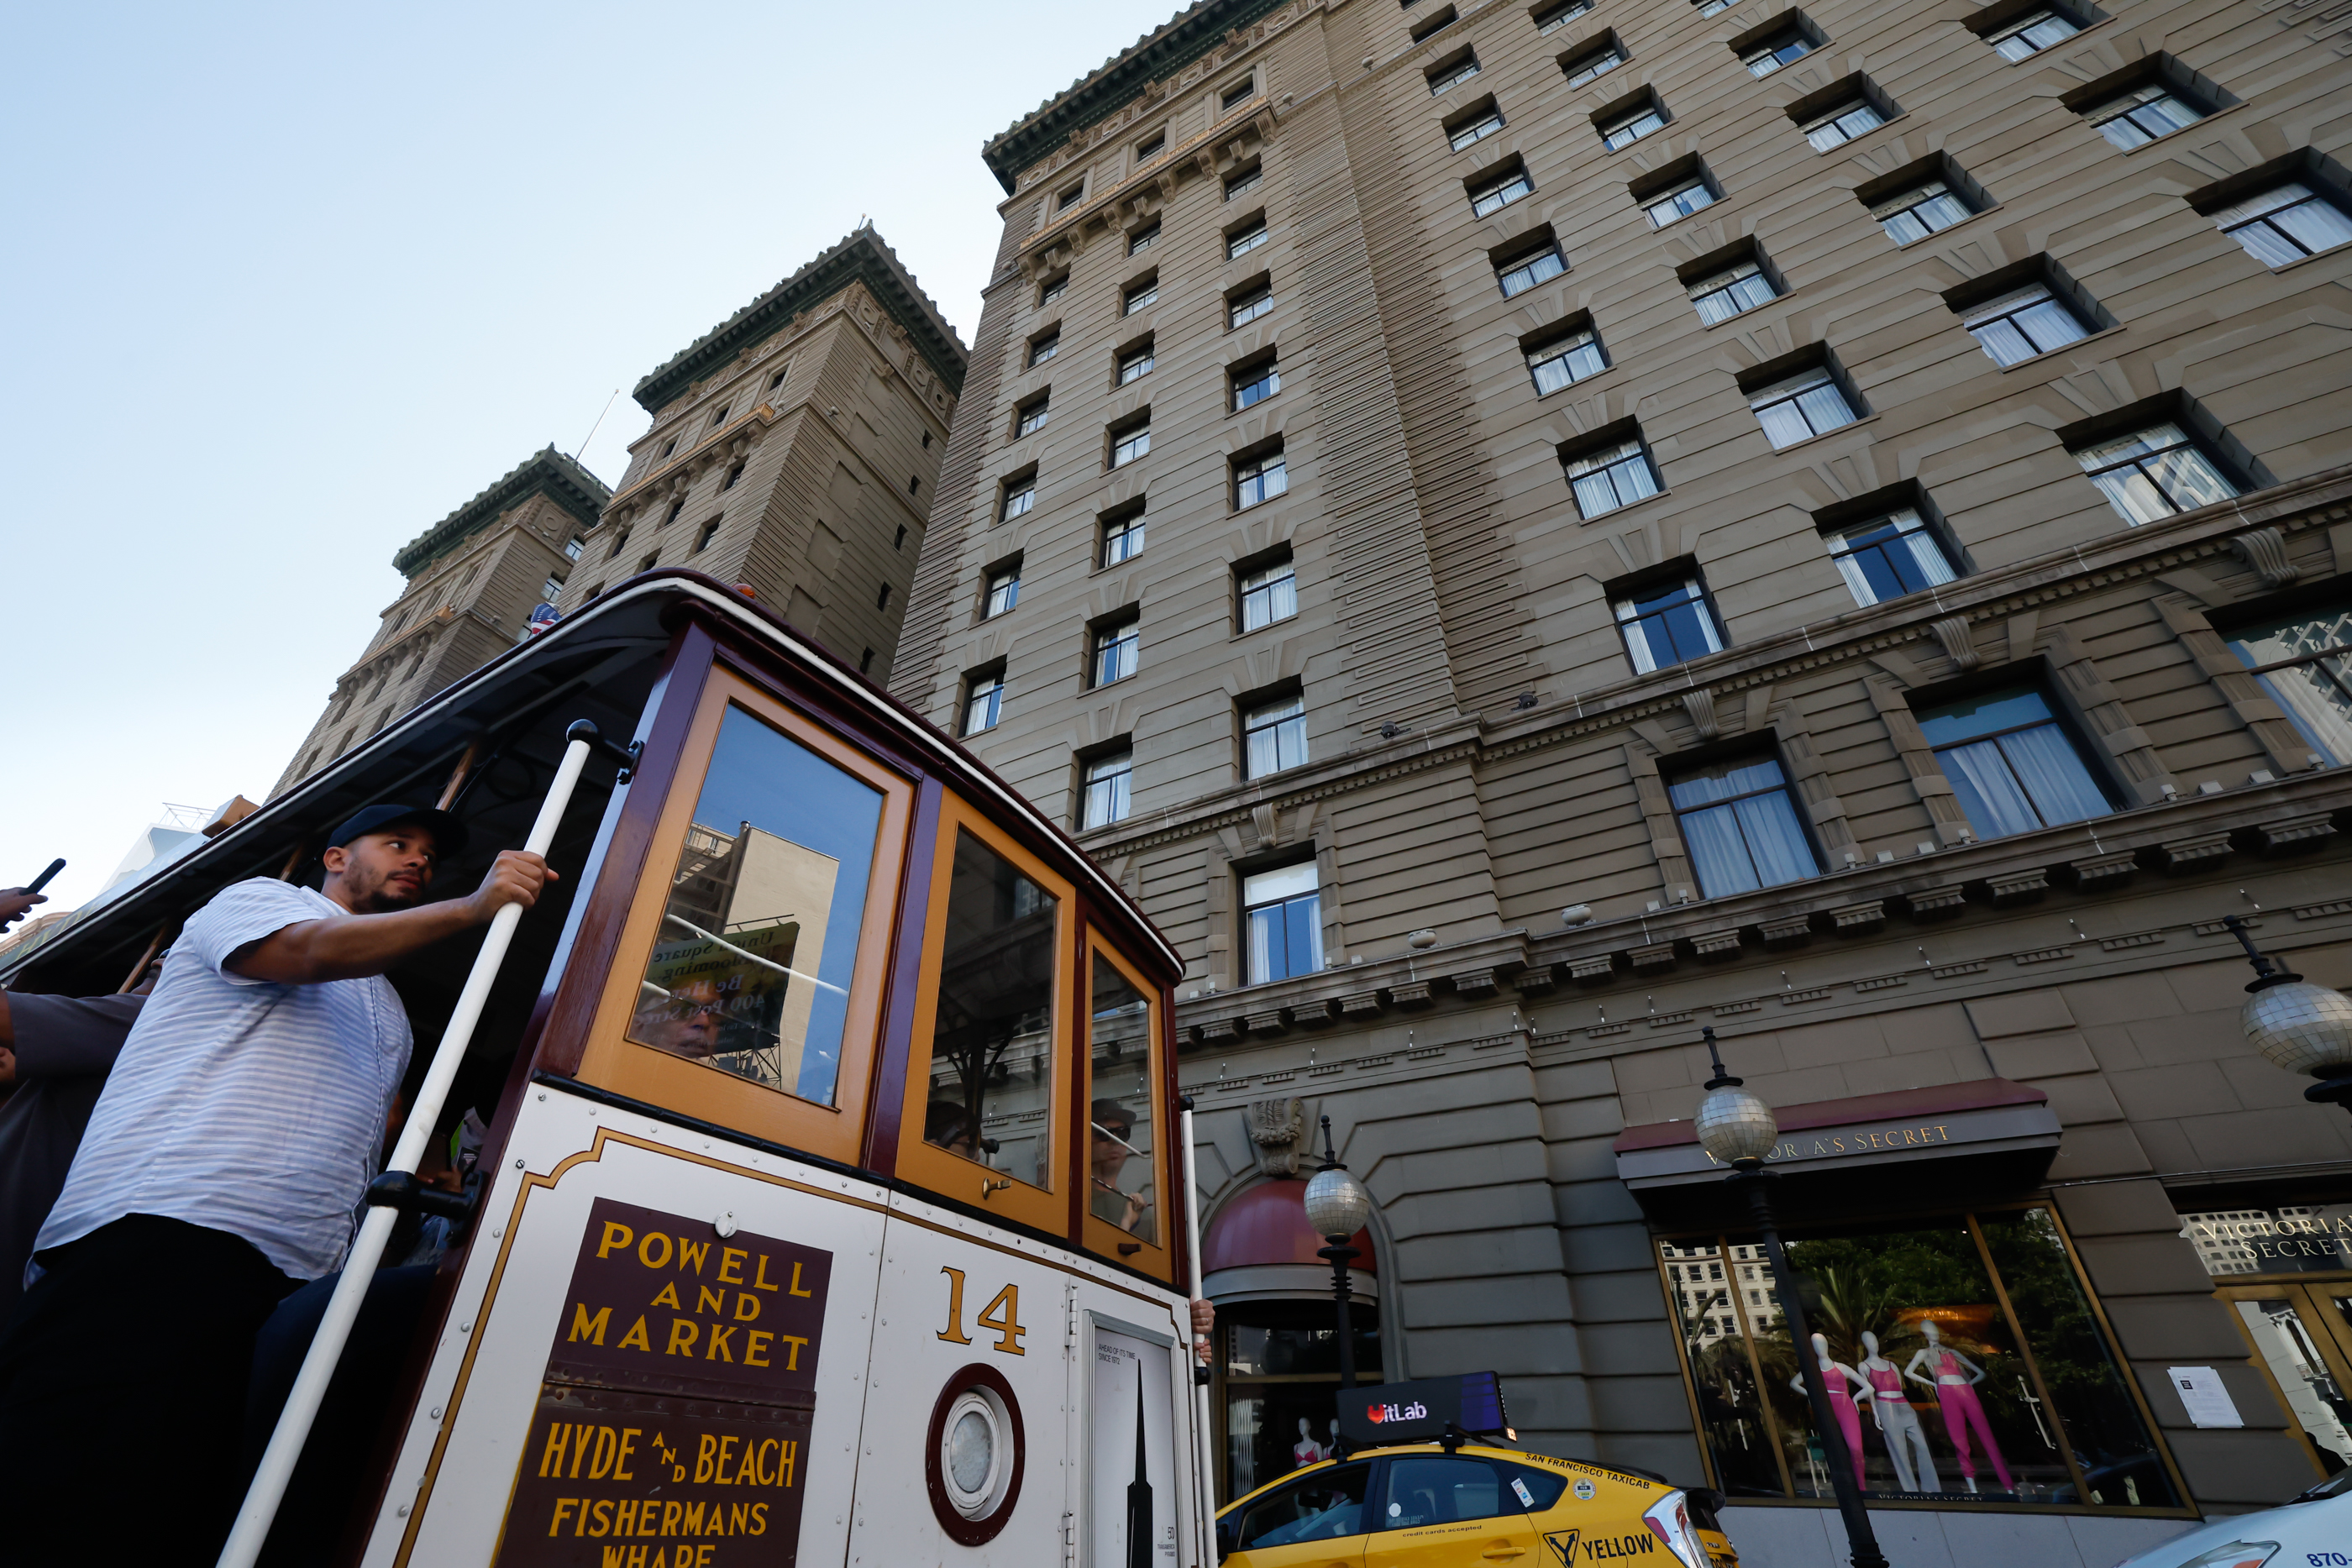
1781,851
1719,857
2061,787
1987,792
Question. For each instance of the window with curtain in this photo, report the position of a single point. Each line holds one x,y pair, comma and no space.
1106,779
1599,63
2305,662
1920,210
1729,294
1889,557
2285,224
1786,48
2154,473
1800,407
1739,819
1123,539
2029,34
1690,196
1284,909
2142,115
1045,349
1269,594
1003,589
983,702
1612,477
1500,192
1477,129
2023,323
1624,132
1525,270
1115,652
1843,124
1274,736
2012,765
1564,361
1667,625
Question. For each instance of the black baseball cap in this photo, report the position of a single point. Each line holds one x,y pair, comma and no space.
448,833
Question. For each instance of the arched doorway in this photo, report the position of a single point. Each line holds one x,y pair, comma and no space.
1278,1362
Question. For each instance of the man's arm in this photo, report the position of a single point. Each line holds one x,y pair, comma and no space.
350,946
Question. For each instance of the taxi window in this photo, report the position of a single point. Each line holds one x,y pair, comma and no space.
1120,1166
1322,1507
1442,1489
1542,1487
991,1092
751,969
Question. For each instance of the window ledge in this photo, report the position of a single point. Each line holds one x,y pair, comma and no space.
1929,239
1232,413
1257,631
2061,348
1827,434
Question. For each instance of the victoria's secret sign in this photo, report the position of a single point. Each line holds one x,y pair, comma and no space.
1855,1141
2295,1239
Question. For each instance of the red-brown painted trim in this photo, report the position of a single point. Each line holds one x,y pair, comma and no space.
886,1106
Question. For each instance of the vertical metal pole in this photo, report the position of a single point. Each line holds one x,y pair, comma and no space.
1203,1455
278,1461
1341,1255
1858,1534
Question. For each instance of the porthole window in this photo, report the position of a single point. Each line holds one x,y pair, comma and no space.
975,1456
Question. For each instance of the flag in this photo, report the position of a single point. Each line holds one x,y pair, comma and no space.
542,616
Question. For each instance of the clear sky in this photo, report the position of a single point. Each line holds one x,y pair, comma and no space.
286,284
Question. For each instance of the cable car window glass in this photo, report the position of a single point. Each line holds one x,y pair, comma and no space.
751,969
992,1073
1120,1170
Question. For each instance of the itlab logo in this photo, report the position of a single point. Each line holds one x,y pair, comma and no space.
1562,1543
1412,1412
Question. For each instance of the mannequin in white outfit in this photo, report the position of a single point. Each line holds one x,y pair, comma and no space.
1907,1440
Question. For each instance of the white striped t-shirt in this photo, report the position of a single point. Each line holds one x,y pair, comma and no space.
243,1105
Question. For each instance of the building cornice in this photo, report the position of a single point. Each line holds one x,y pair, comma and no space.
1141,68
546,472
862,258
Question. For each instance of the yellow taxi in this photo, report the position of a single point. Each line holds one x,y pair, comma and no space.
1433,1505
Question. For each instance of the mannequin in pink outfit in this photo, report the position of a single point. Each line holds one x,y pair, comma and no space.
1907,1440
1954,1382
1306,1451
1840,1382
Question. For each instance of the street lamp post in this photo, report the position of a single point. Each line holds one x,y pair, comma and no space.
1737,1128
2300,1027
1337,1206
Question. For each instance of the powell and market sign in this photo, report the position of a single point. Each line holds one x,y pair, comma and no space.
1989,1116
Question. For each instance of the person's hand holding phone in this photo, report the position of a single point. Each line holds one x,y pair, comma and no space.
14,902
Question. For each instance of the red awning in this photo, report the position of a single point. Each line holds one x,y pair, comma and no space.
1268,1224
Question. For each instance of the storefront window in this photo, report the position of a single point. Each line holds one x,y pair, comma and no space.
1967,1366
2271,1266
1280,1366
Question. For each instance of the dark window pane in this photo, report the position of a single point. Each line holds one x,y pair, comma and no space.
1440,1489
1327,1506
751,970
991,1073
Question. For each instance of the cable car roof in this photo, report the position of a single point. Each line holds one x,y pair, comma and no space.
600,661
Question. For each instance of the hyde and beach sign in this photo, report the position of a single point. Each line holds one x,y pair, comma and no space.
672,1428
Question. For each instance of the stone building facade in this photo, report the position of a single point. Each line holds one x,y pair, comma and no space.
474,578
1524,531
795,447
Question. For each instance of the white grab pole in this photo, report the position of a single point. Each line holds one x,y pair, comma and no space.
1203,1460
269,1488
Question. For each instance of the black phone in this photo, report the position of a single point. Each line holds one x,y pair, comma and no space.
42,881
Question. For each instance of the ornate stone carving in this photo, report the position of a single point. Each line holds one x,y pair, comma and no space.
1792,932
1959,646
1858,919
2017,887
1700,705
1275,1127
2264,550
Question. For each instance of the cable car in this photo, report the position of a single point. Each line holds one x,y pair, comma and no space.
829,1205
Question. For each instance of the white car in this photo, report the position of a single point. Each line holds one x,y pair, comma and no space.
2314,1530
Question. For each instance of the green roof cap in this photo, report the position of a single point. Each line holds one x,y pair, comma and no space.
546,472
862,258
1156,56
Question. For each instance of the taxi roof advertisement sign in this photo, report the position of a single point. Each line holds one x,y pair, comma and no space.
1420,1412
